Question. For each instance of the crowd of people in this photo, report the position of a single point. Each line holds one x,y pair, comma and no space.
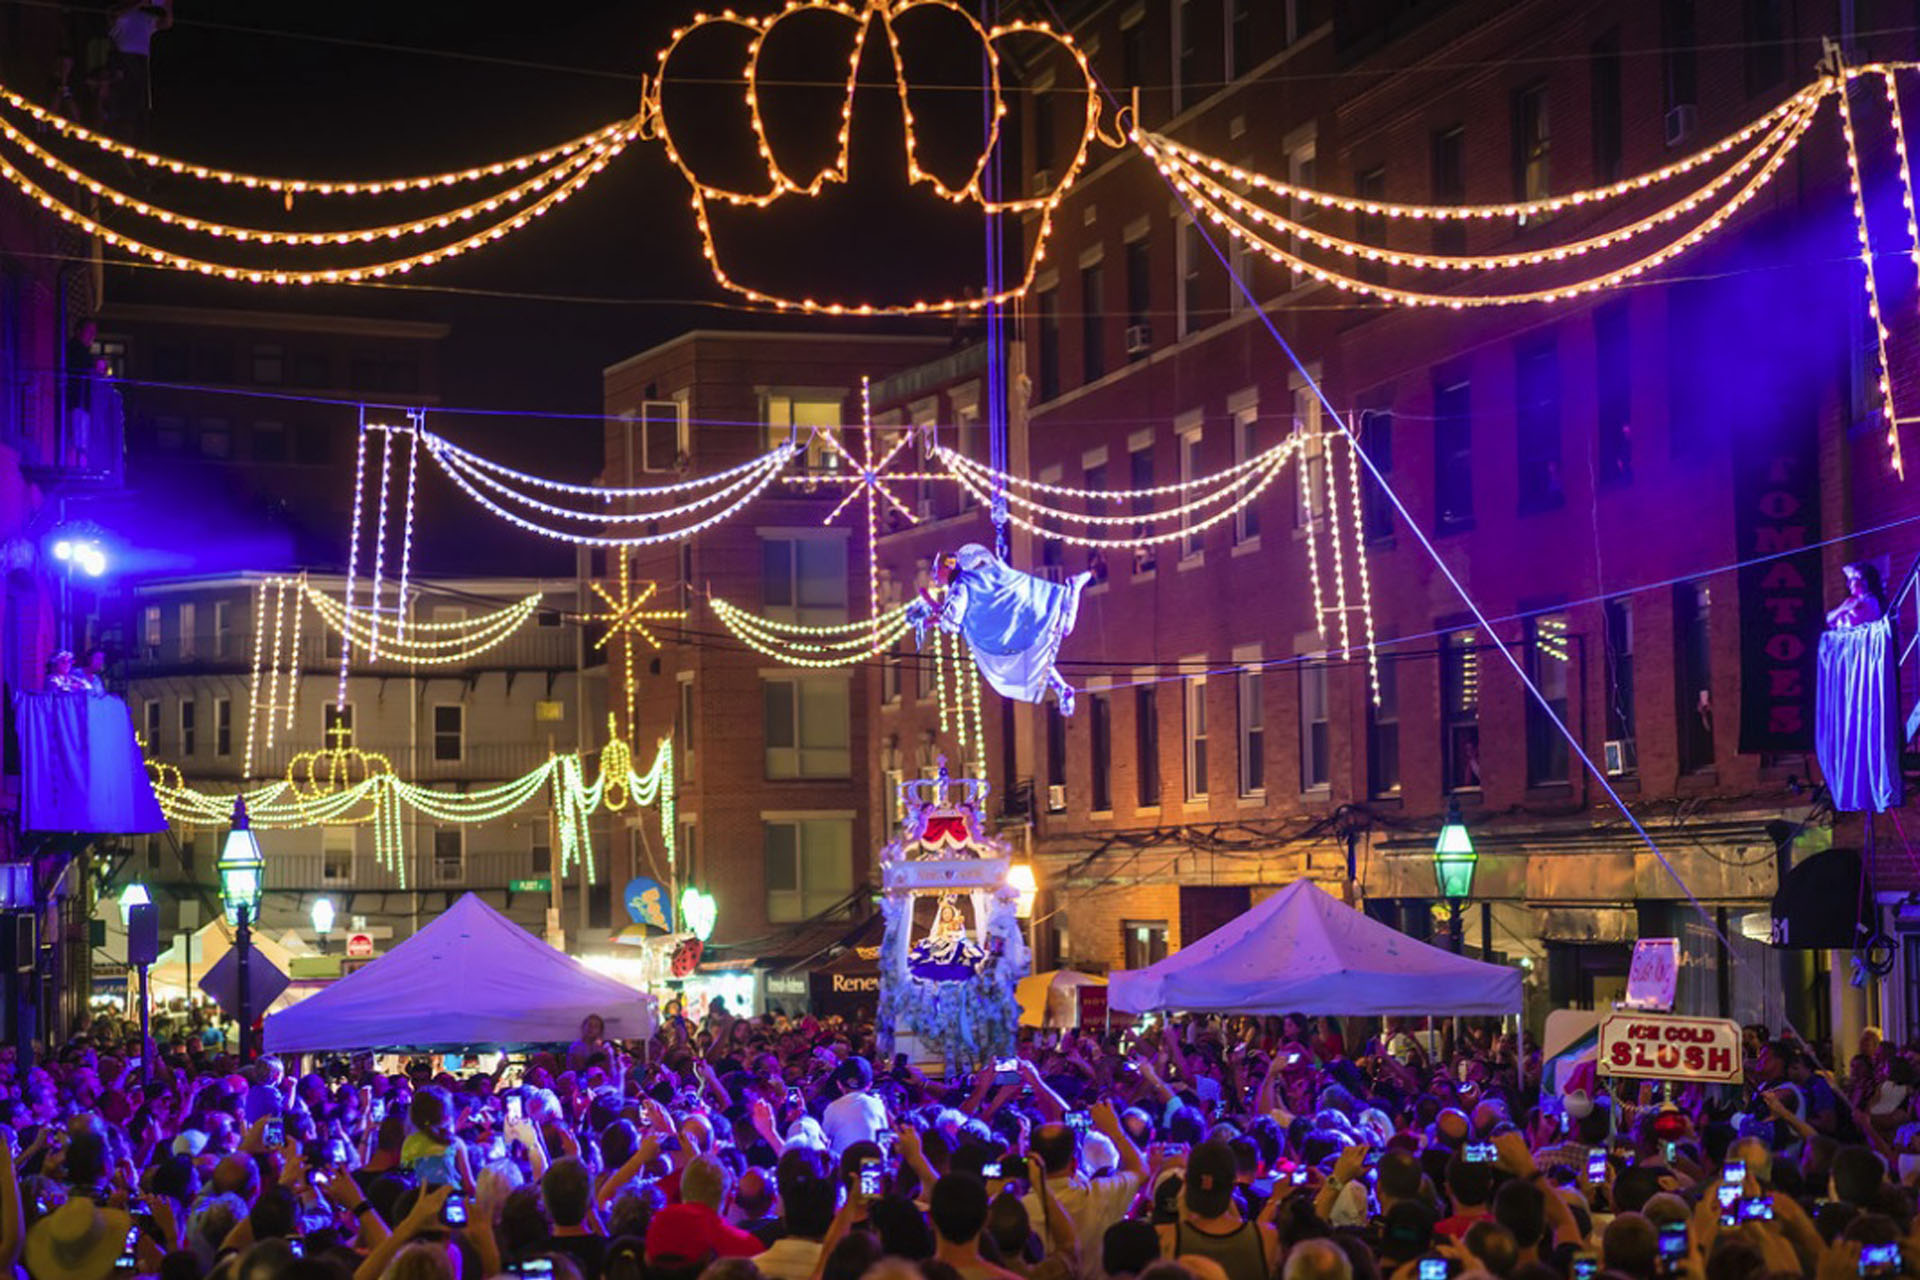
792,1149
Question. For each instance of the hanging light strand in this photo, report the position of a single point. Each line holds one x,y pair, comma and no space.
741,480
1354,464
1870,283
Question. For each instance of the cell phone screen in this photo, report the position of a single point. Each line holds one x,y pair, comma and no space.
454,1212
533,1267
1480,1153
1433,1269
515,1108
275,1134
1734,1172
991,1169
870,1179
129,1259
1596,1166
1585,1266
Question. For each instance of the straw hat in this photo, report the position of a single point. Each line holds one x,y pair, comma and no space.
77,1241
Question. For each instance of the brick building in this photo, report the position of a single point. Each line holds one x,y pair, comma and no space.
1586,468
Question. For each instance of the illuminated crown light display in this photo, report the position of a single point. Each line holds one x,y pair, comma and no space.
948,988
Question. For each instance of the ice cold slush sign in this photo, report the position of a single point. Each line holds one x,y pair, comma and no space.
1660,1046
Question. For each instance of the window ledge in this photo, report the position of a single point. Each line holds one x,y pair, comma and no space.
1317,795
1248,547
1096,588
1144,575
1388,800
1194,561
1258,800
1147,811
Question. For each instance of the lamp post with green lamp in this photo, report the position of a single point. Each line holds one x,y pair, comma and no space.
241,871
1453,866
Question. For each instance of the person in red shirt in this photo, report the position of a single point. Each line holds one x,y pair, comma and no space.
704,1188
1470,1191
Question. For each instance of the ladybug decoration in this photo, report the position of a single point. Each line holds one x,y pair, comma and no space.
686,957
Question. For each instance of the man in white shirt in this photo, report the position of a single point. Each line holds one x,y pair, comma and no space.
1094,1203
809,1197
856,1115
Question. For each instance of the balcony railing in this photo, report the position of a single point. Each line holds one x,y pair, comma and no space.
421,763
479,869
530,648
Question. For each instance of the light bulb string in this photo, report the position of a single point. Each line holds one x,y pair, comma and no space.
775,457
1712,223
1217,193
741,479
331,608
301,239
1157,142
1230,481
954,460
308,186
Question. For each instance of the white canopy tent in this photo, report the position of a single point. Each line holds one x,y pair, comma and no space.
1303,951
470,979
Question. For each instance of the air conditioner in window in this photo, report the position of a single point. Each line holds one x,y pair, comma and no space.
1139,339
1681,122
1056,797
1621,756
1042,182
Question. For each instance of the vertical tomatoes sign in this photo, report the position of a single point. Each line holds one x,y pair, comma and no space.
1665,1046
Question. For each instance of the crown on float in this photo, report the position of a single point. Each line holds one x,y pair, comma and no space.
864,18
937,792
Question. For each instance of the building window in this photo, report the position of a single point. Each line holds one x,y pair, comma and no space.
540,846
1140,477
1452,454
1093,354
783,415
1537,426
1766,45
1133,50
1609,117
1139,266
336,726
189,625
1186,43
1250,716
188,743
804,580
1310,491
1679,55
449,854
150,627
1383,732
1192,253
1613,392
1690,383
806,724
1049,323
1532,143
1100,749
1056,759
1370,228
1460,712
891,663
1376,508
1243,275
1449,175
223,726
1144,942
222,629
1693,674
1195,696
336,855
683,728
216,439
1043,137
1246,444
1146,746
1316,769
150,724
449,733
1191,542
1550,667
1617,615
269,442
1240,59
1303,167
269,365
809,868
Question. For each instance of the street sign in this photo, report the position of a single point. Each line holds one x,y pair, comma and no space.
541,885
1666,1046
1654,974
265,982
359,946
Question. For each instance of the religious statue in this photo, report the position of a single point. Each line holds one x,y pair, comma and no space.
1014,622
1865,601
946,954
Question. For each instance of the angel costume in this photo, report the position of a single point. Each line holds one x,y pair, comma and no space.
1014,622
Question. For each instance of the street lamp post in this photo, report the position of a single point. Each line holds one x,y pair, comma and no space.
1453,865
322,921
241,867
135,898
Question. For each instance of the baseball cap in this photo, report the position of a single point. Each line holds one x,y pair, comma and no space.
1211,1173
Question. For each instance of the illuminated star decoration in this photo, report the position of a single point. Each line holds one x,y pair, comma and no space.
627,617
867,478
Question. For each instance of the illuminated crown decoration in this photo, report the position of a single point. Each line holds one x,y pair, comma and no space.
863,20
315,775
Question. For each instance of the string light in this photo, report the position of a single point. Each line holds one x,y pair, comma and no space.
758,485
1160,143
1360,560
330,275
775,457
1331,489
1872,286
780,184
259,618
406,548
1706,227
380,547
273,673
306,186
1312,540
1502,261
1251,472
353,542
741,481
428,644
301,239
819,647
